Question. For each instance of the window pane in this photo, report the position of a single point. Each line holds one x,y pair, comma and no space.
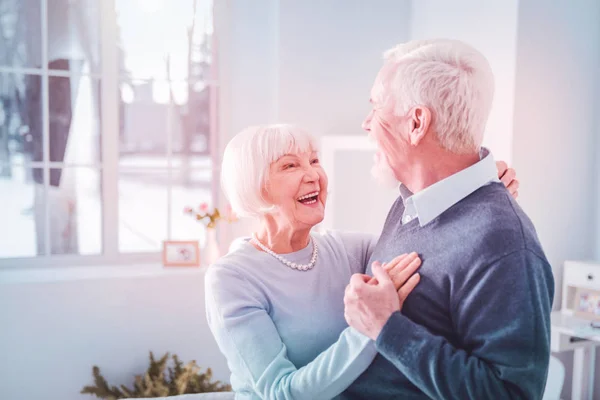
142,210
191,135
190,189
20,33
167,82
20,118
144,123
149,121
74,35
74,119
22,213
75,211
155,38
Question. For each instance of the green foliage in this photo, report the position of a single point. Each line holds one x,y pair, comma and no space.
179,379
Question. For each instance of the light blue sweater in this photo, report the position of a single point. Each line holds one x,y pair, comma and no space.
283,331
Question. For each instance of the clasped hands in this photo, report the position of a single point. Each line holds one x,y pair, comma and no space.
370,301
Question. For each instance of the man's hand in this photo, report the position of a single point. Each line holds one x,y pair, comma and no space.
401,268
370,305
508,176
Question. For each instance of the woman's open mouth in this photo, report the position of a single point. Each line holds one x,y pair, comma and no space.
309,199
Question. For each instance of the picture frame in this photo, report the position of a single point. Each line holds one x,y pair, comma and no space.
587,304
181,253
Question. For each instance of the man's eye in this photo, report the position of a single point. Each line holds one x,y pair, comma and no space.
314,161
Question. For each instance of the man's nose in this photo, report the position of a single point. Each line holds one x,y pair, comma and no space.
366,125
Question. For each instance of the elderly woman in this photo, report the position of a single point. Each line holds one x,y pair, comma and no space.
275,303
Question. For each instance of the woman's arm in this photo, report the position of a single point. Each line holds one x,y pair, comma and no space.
359,247
238,318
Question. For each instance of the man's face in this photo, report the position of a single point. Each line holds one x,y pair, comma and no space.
378,126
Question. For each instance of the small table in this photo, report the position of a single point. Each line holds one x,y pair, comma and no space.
570,333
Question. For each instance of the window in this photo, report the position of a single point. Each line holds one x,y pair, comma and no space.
107,127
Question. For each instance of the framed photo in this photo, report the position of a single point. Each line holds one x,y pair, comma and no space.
587,303
181,253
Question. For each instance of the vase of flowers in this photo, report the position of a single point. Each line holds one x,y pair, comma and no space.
210,217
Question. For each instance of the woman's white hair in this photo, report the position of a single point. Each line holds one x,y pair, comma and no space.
246,162
452,79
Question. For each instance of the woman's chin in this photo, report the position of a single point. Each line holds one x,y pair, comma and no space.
315,217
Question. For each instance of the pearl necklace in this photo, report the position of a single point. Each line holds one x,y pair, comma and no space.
293,265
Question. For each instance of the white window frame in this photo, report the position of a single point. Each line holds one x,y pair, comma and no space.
110,82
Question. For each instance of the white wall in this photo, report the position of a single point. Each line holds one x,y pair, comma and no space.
329,55
54,332
555,128
491,27
597,168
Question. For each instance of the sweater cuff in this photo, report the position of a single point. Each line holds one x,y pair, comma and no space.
359,338
396,332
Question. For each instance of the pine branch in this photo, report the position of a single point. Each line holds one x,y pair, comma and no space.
156,382
101,388
128,393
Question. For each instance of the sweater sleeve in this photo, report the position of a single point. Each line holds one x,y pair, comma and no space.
245,333
502,317
359,247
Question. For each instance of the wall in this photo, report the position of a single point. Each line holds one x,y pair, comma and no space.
491,27
330,53
597,168
555,129
53,332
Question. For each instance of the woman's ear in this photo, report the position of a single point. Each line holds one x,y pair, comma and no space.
264,193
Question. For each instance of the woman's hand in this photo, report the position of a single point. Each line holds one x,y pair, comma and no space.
508,176
401,268
369,302
402,272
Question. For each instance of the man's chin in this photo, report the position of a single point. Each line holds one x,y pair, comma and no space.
384,178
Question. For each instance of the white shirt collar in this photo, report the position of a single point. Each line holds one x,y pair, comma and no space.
432,201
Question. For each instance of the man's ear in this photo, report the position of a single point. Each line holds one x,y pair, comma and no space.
420,123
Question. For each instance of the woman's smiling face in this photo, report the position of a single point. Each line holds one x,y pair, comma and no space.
297,187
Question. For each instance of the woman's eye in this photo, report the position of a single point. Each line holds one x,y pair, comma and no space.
288,166
314,161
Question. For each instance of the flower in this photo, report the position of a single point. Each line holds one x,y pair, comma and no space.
210,217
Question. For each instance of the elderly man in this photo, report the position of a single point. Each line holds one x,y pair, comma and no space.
478,324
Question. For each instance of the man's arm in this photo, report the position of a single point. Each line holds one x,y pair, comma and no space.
502,317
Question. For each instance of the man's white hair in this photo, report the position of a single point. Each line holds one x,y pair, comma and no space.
452,79
246,162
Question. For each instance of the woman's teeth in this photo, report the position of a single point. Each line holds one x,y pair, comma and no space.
306,196
309,198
